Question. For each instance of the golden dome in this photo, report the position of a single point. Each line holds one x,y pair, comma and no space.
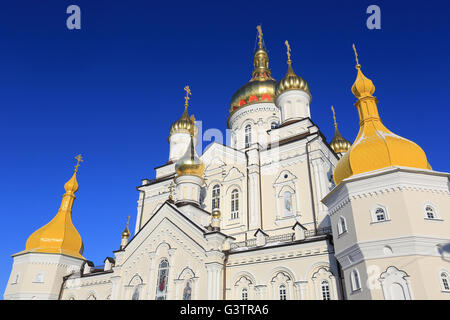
126,233
339,144
190,164
59,235
184,125
291,81
375,147
261,87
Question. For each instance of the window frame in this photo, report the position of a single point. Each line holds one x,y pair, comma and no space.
215,197
160,270
436,216
247,136
342,228
244,294
355,280
444,280
374,216
325,293
234,204
282,291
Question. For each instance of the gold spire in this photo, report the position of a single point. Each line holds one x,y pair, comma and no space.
60,235
261,87
375,147
261,61
126,233
339,144
291,81
260,36
185,124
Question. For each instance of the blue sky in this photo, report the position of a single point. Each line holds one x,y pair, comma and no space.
111,90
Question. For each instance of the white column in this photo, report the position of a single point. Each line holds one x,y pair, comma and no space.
214,271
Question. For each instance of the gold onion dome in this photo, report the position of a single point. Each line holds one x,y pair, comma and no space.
291,81
126,233
339,144
185,124
190,164
375,147
261,87
59,235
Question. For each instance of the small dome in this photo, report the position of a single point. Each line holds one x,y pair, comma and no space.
363,87
339,144
190,164
291,81
71,186
184,125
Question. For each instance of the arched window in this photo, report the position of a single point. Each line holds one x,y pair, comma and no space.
273,125
234,204
248,136
187,292
287,203
216,196
282,290
430,213
342,226
163,273
325,290
355,280
445,281
92,297
244,294
380,214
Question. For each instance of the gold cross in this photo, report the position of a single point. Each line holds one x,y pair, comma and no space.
288,50
128,221
188,93
260,35
356,56
334,117
79,159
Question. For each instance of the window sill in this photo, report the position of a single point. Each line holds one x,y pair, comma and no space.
433,219
287,217
375,222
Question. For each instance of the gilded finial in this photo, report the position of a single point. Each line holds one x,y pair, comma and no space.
171,192
186,98
79,159
260,36
126,232
356,57
288,47
334,117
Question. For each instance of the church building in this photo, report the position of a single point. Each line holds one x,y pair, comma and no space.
278,214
